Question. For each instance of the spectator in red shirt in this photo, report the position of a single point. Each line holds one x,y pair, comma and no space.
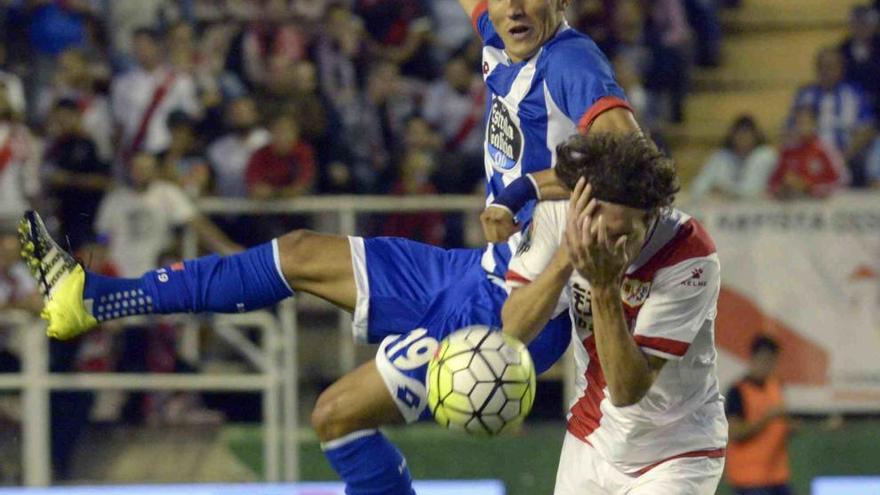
284,168
415,173
808,166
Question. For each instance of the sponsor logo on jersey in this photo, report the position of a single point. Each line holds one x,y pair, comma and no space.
581,310
634,292
696,279
505,138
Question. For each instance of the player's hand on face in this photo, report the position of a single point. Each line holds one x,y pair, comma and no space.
498,224
594,255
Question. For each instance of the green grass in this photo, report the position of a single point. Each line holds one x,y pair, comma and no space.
527,462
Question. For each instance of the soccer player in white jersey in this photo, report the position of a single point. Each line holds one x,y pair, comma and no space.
640,280
544,82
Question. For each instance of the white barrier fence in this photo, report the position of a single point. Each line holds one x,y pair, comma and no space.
276,380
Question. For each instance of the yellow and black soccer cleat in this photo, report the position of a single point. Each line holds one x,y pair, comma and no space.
60,277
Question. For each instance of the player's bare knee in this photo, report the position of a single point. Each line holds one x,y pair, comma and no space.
328,418
296,250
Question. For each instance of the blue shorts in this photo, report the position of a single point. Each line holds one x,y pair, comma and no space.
412,295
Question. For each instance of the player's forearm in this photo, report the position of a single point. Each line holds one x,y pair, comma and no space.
529,308
626,368
549,185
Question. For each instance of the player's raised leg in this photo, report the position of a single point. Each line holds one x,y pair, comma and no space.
346,419
77,300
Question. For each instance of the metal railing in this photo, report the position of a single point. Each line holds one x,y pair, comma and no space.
276,379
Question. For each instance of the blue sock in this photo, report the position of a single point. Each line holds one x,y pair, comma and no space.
229,284
369,464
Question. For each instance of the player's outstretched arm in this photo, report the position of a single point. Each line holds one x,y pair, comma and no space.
529,308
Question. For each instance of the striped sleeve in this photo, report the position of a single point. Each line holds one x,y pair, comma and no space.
581,82
683,297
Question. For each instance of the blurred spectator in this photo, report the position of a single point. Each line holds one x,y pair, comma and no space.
143,98
703,18
270,40
309,10
842,109
628,77
19,163
18,290
741,168
76,176
402,29
74,81
374,125
339,49
415,171
757,455
284,168
455,105
183,162
294,87
861,52
596,19
139,221
668,37
229,155
11,85
58,25
452,27
127,16
808,166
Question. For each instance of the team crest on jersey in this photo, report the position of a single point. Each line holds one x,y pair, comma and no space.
505,138
634,292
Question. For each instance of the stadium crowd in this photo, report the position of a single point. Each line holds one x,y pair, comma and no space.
830,138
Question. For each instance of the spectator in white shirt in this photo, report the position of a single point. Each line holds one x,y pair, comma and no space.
143,98
139,221
741,168
455,106
11,85
229,155
19,163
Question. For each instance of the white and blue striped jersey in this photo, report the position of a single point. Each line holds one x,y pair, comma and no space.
839,111
532,106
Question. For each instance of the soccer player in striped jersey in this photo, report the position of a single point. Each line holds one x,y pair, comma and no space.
545,81
640,280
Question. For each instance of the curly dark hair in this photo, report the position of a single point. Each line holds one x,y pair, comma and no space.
626,169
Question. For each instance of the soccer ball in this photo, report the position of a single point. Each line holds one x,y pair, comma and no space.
481,381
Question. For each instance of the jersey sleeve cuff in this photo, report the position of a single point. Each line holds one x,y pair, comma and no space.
599,107
478,12
662,347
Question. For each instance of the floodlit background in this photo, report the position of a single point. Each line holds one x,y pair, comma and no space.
339,115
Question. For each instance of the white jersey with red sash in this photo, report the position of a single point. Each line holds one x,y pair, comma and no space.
669,297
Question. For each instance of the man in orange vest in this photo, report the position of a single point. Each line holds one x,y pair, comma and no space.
757,456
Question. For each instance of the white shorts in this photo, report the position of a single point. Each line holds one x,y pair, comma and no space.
583,471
